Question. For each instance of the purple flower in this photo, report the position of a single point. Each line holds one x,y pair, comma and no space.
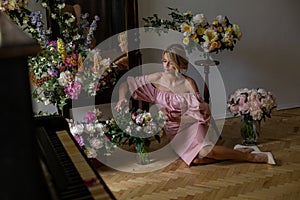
53,73
53,43
73,89
79,140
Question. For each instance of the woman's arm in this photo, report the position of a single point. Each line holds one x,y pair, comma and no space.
179,119
123,89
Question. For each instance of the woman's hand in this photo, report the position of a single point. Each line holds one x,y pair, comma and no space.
120,103
171,117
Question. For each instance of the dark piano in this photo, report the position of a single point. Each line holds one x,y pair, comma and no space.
69,174
39,158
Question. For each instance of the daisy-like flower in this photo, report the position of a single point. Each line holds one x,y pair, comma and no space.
187,29
210,36
186,40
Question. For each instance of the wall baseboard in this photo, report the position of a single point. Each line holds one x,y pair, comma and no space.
229,115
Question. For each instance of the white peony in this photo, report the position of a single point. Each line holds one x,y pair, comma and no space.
199,19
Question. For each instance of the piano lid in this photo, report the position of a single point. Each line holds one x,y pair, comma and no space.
14,42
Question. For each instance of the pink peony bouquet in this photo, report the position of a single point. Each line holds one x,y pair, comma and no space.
255,104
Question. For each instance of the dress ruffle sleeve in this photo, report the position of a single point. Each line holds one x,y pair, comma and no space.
141,89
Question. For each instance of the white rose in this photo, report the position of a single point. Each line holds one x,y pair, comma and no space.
90,128
100,128
77,129
199,19
221,19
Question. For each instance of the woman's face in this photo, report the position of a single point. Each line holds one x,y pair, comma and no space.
168,64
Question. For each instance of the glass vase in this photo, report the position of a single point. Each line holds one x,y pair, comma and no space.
250,130
143,157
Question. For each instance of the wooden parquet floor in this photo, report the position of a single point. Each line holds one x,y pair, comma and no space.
229,180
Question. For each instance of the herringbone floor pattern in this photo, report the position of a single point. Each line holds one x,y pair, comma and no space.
230,180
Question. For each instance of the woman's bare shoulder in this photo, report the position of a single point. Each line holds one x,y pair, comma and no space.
191,83
154,77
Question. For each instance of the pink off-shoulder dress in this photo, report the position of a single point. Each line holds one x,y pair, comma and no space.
187,139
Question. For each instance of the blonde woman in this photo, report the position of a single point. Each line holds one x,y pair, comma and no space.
122,61
188,115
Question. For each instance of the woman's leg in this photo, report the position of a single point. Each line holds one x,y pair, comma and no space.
201,161
225,153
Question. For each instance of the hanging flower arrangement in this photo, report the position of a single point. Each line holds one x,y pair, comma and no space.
216,36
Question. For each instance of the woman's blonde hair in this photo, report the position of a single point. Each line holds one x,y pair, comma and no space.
177,55
122,37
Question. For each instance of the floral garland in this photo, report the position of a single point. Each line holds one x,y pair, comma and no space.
253,104
216,36
66,65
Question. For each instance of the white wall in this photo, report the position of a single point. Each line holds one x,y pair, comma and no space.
267,55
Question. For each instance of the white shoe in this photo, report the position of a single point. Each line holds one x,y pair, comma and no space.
271,159
239,146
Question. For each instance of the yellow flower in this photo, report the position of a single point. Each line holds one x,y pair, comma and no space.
61,48
186,41
196,40
80,64
12,5
220,29
214,45
215,22
200,31
186,28
229,30
96,63
219,45
229,43
210,35
193,36
237,31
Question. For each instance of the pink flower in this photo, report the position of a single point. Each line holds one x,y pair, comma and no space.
244,108
234,109
257,103
243,99
90,117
